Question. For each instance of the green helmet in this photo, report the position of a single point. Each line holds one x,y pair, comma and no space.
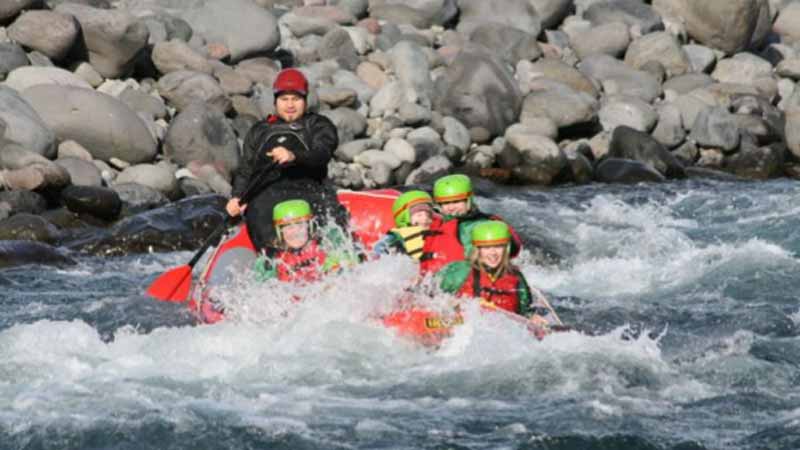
401,209
291,211
452,188
491,232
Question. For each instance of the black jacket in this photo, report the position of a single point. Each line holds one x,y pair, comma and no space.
312,139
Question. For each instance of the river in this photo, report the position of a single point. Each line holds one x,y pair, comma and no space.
684,295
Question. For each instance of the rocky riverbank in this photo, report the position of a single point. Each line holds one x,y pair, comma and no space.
122,121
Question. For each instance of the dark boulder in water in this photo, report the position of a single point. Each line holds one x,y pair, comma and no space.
18,253
182,225
628,143
710,174
615,170
28,227
100,202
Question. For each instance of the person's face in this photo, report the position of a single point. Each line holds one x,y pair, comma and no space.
491,256
295,235
421,217
458,208
290,106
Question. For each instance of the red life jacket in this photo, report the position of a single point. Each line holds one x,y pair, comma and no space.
442,246
304,265
502,292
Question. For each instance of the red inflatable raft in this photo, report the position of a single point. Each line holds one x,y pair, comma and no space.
370,219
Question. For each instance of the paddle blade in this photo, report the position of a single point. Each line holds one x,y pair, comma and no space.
172,286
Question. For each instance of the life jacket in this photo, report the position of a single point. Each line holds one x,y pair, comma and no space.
413,239
303,265
442,246
502,292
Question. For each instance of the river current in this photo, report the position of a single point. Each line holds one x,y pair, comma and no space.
684,296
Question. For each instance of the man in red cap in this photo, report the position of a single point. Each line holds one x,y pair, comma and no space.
295,146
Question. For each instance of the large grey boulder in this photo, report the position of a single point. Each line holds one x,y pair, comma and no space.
552,12
160,177
113,37
621,110
661,47
387,100
23,124
203,134
742,68
137,197
166,27
413,71
349,150
456,134
685,84
316,20
143,103
349,123
632,13
565,106
421,13
28,76
430,170
102,124
701,58
349,80
241,25
555,70
82,173
14,156
727,25
792,127
511,44
480,91
618,78
48,32
787,25
10,8
371,158
669,131
541,159
337,45
519,14
173,55
28,170
609,39
184,87
12,56
716,128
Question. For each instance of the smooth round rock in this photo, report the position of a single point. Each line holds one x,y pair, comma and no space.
97,201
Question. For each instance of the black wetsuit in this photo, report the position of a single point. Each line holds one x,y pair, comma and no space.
312,139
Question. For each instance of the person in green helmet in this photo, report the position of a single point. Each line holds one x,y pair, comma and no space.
489,276
413,214
448,240
298,253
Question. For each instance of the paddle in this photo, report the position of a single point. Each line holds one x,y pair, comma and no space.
175,284
539,331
